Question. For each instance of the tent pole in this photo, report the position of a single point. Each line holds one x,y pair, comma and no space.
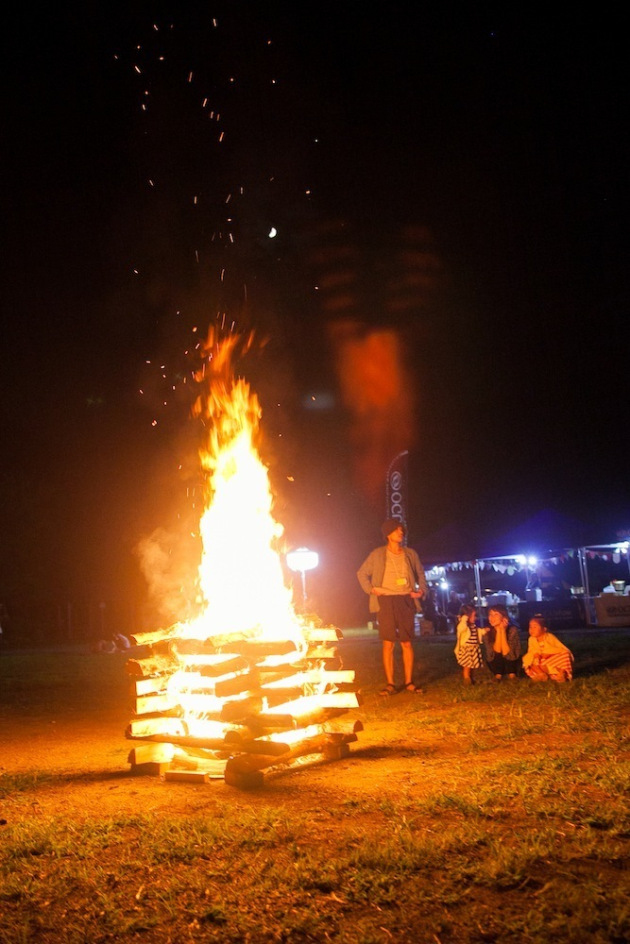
584,577
478,588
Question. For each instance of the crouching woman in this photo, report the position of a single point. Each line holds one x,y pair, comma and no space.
502,644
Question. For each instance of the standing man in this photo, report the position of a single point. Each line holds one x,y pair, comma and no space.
394,579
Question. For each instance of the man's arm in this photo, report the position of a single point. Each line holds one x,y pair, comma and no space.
418,572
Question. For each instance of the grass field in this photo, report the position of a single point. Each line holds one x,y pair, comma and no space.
497,812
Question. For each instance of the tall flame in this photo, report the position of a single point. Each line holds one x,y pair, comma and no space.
248,682
241,578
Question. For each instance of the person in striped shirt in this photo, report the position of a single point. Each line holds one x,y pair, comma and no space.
468,646
546,657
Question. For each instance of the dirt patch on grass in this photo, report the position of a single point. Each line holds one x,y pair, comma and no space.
79,763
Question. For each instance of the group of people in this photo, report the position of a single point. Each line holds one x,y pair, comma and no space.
394,579
499,647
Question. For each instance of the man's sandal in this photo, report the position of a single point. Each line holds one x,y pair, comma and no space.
388,690
412,689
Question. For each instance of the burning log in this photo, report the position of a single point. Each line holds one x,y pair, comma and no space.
147,727
151,754
234,711
236,684
214,666
237,742
189,741
322,634
245,771
151,685
151,666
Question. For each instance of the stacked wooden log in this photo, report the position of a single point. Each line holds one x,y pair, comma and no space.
231,707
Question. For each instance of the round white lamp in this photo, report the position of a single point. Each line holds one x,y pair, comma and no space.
301,560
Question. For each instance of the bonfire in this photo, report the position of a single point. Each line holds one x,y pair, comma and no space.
249,683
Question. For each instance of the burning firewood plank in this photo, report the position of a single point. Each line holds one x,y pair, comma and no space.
292,713
152,704
244,744
245,770
313,677
146,727
224,746
322,634
277,696
186,740
268,674
153,685
156,665
216,665
288,662
270,722
257,649
152,666
321,653
150,753
233,711
234,685
149,638
309,703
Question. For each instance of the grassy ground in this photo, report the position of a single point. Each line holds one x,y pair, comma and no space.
493,813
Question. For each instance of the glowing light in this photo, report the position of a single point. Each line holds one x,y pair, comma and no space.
302,559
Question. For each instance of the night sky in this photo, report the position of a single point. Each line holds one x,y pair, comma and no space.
458,180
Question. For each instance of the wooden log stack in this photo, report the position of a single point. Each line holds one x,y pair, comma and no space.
232,707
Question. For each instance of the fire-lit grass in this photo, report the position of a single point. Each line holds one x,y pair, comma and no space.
491,813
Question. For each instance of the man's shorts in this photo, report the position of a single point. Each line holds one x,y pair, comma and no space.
396,618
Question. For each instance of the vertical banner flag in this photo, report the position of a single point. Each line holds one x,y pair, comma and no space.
396,488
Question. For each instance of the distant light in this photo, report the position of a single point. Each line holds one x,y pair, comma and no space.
532,561
273,232
444,584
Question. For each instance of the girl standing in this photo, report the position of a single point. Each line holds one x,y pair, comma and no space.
468,646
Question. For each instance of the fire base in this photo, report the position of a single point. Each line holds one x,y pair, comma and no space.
233,708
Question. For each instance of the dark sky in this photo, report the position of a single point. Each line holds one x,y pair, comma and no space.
497,134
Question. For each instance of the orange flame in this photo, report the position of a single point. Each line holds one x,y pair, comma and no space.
240,576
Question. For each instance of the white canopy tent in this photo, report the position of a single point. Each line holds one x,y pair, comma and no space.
618,552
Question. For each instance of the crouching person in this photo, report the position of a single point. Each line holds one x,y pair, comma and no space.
546,657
